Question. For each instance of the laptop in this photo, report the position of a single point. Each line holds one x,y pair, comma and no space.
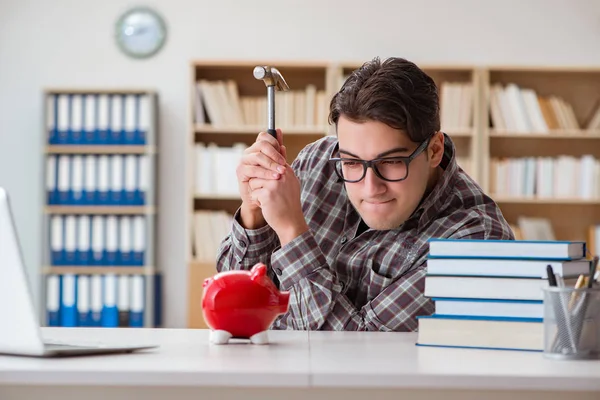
21,334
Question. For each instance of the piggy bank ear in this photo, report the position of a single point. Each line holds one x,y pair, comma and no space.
259,270
206,282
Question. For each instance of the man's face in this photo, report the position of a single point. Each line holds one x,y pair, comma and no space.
381,204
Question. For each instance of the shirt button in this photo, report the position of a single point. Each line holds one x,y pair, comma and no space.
278,271
243,244
344,239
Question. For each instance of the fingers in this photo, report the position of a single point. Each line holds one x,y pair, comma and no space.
248,172
284,151
262,160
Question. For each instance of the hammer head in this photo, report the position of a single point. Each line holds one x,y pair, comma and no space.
271,76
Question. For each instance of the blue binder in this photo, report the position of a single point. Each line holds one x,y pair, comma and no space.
53,290
110,313
68,301
57,240
52,110
136,316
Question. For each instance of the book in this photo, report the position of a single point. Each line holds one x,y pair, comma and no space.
473,287
506,249
508,268
489,307
483,332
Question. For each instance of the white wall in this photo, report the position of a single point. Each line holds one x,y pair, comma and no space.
70,43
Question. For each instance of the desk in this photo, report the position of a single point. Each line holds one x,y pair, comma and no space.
333,365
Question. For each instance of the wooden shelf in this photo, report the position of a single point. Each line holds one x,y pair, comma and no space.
121,210
73,149
232,197
459,132
542,201
255,130
98,270
561,134
98,91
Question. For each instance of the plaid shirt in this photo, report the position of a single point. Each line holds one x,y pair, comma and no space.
373,281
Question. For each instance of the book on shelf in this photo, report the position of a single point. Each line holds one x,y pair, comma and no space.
97,179
564,176
79,300
215,169
518,109
209,228
97,118
219,103
489,293
98,240
456,105
99,169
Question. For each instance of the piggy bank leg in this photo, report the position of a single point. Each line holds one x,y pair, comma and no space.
260,338
219,336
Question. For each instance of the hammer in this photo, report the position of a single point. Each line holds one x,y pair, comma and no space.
274,81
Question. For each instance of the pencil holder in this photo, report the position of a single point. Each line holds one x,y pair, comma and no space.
571,323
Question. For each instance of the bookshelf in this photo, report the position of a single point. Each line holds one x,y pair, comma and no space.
99,210
541,145
228,109
474,113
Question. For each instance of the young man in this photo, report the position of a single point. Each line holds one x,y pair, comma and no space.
345,227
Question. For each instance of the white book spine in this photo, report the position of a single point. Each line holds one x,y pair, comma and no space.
56,235
91,164
70,233
51,173
64,173
103,173
83,294
83,235
117,173
76,113
90,113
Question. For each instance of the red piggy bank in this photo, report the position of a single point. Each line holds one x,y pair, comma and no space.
242,304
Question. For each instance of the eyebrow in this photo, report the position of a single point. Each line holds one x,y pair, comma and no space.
385,153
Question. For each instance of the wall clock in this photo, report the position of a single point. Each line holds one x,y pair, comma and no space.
140,32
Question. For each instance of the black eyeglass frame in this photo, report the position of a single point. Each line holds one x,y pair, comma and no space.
372,163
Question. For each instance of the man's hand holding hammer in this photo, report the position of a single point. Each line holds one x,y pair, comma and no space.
269,189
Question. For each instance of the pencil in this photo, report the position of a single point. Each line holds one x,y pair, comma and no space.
581,282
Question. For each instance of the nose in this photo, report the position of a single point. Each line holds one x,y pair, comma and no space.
373,185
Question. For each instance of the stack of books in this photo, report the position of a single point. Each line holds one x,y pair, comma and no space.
488,293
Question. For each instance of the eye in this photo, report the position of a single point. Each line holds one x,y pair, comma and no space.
350,163
391,162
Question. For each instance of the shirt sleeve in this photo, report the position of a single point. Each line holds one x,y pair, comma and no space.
317,299
243,248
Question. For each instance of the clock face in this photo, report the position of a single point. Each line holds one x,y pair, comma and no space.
141,32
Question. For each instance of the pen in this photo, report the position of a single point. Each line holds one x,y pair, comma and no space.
562,316
581,282
592,271
551,276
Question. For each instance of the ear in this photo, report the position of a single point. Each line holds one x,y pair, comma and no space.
258,271
435,150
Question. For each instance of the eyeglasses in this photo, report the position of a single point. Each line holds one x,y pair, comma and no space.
391,169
